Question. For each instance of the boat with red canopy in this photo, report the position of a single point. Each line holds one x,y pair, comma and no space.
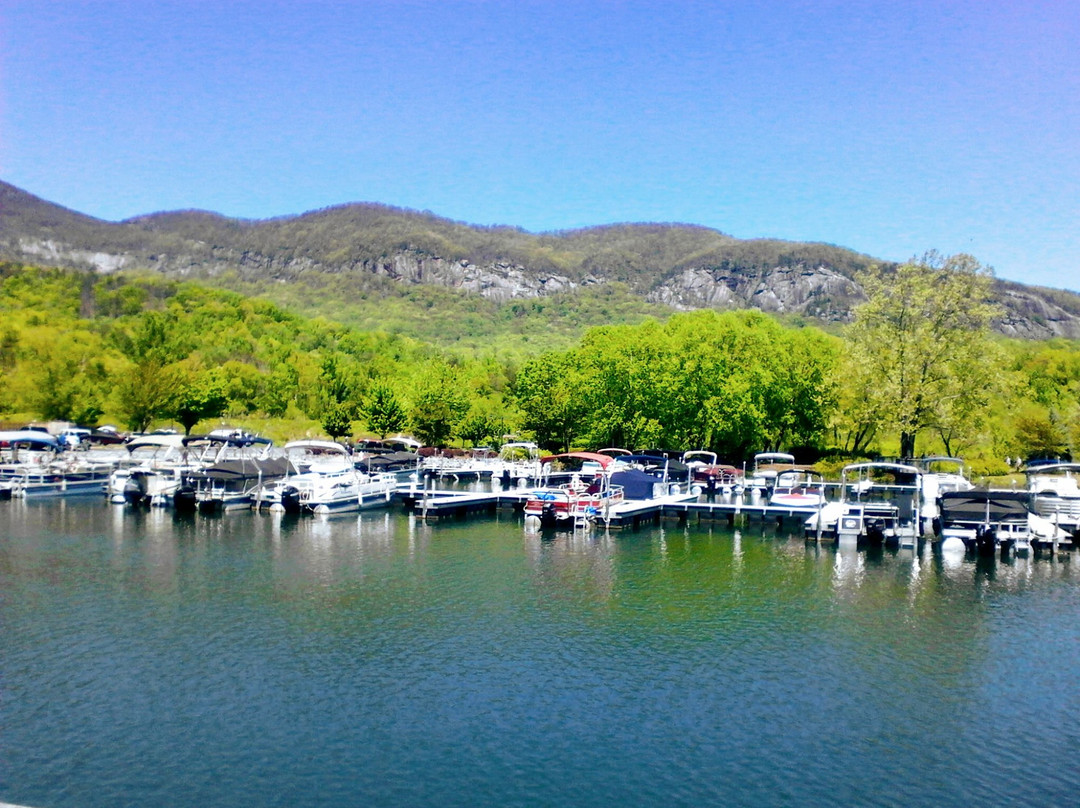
578,490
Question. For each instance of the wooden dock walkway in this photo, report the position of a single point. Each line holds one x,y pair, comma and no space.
435,505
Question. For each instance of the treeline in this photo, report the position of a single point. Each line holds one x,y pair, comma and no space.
143,351
453,319
734,382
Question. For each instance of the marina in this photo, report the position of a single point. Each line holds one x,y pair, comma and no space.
889,503
159,658
438,504
539,405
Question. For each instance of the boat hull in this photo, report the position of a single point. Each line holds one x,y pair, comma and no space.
45,484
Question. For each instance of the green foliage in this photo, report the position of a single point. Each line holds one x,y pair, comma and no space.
144,393
439,404
549,393
485,423
278,389
198,396
65,380
9,347
338,383
336,421
1041,434
731,382
453,319
920,350
383,411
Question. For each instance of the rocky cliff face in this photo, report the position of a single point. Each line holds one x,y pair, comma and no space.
818,292
673,265
1031,315
52,252
498,281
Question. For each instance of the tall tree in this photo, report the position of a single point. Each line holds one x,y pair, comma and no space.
198,396
144,394
383,410
549,392
67,377
336,421
338,386
916,341
439,403
148,389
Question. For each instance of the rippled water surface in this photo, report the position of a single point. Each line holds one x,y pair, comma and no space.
149,660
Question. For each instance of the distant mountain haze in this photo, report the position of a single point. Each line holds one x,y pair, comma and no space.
362,247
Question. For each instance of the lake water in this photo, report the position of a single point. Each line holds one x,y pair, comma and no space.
152,660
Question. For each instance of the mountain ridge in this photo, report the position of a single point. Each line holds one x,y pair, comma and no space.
679,266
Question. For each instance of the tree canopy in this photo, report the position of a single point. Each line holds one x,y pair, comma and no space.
920,351
731,382
143,351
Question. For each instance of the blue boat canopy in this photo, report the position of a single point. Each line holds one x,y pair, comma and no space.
636,484
26,437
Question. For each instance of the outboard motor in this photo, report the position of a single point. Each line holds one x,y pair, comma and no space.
985,540
875,531
184,499
547,516
290,499
135,489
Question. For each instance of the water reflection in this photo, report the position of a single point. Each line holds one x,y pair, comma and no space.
695,665
576,565
848,569
326,551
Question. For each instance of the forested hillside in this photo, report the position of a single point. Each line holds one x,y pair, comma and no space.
142,350
417,274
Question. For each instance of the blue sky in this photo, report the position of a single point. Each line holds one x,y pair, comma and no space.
887,127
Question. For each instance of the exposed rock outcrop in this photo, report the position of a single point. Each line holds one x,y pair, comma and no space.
684,267
813,291
1029,315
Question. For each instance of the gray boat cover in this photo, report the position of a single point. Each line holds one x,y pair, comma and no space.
248,469
980,505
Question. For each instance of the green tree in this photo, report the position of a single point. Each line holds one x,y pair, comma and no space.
67,379
917,340
153,338
9,348
1041,434
240,382
338,384
854,422
485,423
383,411
147,388
144,393
548,390
278,389
439,404
197,397
336,421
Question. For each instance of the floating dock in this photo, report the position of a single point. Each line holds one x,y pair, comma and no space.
436,505
433,504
